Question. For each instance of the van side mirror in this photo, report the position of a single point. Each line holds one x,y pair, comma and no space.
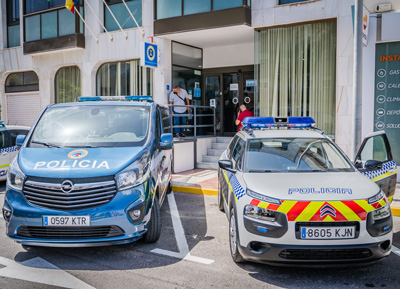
20,140
167,141
226,165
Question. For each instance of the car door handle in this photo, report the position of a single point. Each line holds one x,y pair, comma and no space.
392,169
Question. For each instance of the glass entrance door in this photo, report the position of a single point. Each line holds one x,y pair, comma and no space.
229,91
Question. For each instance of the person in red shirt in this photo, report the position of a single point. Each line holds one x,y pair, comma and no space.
242,115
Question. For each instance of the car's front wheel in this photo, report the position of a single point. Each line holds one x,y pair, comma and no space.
153,233
233,238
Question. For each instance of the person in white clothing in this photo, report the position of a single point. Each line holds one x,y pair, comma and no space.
179,96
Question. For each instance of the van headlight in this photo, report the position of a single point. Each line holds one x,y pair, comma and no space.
134,174
15,177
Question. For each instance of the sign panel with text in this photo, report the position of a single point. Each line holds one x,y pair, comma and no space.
387,94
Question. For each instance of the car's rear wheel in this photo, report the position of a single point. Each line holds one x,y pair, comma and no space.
233,239
153,233
220,197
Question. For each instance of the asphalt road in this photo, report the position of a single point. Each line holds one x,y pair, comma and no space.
208,265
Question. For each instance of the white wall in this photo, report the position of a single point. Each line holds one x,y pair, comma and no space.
222,56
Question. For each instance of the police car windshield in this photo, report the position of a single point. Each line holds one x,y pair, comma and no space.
294,155
92,126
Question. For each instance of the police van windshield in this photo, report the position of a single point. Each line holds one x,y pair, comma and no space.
294,155
92,126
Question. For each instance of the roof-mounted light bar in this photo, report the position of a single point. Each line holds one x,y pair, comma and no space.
146,98
266,122
2,123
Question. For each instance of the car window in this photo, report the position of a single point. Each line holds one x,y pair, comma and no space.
374,149
14,133
2,140
166,120
294,155
237,154
231,146
92,126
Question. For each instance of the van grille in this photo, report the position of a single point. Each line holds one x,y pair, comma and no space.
82,195
69,233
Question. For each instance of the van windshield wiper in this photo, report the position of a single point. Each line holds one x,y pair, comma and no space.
261,171
49,145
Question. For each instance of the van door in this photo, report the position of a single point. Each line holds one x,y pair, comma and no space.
374,159
5,153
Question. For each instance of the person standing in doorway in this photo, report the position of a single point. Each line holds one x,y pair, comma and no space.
243,113
179,96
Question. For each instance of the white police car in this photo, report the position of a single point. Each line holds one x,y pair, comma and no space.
292,196
8,148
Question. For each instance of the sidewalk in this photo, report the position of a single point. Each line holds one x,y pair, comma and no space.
205,182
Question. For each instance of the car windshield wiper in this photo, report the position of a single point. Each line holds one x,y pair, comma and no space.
49,145
262,171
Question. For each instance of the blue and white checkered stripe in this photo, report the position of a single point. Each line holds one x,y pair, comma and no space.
385,168
8,150
237,188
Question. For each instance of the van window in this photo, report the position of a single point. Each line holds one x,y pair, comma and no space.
166,120
92,126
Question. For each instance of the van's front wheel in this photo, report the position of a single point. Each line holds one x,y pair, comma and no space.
153,233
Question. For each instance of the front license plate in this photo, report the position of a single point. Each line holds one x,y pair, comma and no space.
70,221
323,233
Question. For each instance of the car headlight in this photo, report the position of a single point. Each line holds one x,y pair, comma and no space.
15,177
381,213
134,174
379,196
262,198
259,213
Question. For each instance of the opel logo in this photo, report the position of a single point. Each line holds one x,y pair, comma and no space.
67,186
327,210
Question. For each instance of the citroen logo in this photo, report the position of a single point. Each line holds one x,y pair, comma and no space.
67,186
327,210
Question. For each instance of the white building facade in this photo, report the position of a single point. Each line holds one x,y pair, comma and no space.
280,57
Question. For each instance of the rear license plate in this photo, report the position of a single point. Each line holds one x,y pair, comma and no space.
70,221
326,233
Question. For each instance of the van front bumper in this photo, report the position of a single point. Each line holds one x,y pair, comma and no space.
110,224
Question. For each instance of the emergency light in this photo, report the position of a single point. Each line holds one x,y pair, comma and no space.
265,122
147,98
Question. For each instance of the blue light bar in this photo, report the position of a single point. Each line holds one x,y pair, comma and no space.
147,98
89,98
265,122
2,123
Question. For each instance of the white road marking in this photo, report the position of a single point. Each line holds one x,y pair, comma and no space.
183,246
396,250
40,271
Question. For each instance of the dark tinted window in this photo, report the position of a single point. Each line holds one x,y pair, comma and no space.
22,81
15,133
166,120
237,154
231,146
32,6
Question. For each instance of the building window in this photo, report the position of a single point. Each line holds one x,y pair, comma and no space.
296,75
121,13
22,81
187,65
124,78
174,8
283,2
13,30
67,84
48,19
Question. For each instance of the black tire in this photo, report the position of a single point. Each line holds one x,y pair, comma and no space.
233,239
169,188
153,233
220,197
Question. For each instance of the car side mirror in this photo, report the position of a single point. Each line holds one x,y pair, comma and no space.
373,165
20,140
226,165
166,142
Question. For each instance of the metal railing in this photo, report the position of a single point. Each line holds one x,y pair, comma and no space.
192,114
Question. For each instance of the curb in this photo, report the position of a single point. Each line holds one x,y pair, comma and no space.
396,211
195,190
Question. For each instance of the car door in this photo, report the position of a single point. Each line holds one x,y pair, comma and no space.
374,159
166,128
5,154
